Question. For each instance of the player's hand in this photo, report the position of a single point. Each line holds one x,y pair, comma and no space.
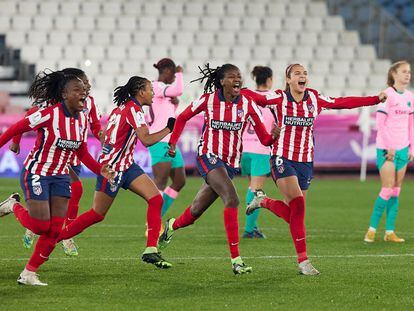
174,101
390,155
15,148
382,97
410,157
171,150
275,131
170,124
178,69
101,137
108,173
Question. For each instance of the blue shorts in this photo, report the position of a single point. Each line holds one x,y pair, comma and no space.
37,187
122,179
77,169
207,163
282,167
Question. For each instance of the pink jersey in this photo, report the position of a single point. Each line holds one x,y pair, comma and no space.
224,125
296,119
93,117
162,107
395,120
59,136
120,136
251,142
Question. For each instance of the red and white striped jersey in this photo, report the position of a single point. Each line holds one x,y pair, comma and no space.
59,136
296,119
224,125
93,117
120,136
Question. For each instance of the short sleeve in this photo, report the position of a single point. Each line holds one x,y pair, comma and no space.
136,117
39,118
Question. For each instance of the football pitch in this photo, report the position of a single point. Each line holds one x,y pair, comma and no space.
108,274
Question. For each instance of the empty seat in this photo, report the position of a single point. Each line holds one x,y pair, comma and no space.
64,23
339,82
110,67
324,52
100,37
349,38
122,37
42,22
132,8
94,52
194,8
104,82
211,23
335,23
313,24
30,53
137,52
127,23
58,38
316,81
152,8
29,8
276,9
293,23
214,8
73,52
253,23
71,8
79,37
303,53
205,37
235,9
8,7
67,63
320,67
105,23
5,23
246,38
191,23
52,52
230,23
262,52
19,22
116,52
357,81
179,53
345,52
296,9
129,66
142,38
220,52
184,37
287,37
240,53
381,65
366,52
341,66
85,23
49,7
318,9
267,38
169,23
308,38
377,81
361,67
283,52
157,52
91,8
16,38
255,9
163,38
37,37
200,52
328,38
148,23
174,8
111,8
226,38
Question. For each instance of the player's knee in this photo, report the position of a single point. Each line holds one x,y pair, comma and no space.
396,191
40,227
232,201
386,193
156,200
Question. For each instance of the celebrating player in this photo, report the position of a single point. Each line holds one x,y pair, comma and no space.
219,151
93,119
61,130
126,125
255,157
166,89
395,148
292,153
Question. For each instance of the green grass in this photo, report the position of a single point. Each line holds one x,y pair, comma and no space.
108,273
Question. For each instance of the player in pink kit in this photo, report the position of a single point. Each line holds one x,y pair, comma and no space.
93,119
256,157
166,89
395,148
61,130
226,113
292,153
125,126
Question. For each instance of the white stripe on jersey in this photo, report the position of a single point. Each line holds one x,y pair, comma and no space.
55,134
310,136
279,150
293,132
240,141
210,104
232,133
304,131
220,138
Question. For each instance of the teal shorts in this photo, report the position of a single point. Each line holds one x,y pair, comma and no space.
159,154
254,164
400,159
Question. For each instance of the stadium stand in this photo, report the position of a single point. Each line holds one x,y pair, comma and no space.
112,40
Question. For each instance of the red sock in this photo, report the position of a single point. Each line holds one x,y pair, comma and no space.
185,219
154,220
45,244
297,227
232,229
82,222
73,205
35,225
277,207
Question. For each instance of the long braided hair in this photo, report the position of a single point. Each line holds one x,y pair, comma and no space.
48,86
123,93
213,76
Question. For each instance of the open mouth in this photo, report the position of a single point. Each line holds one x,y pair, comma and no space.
237,86
302,83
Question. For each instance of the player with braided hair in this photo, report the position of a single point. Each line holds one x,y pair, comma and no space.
219,151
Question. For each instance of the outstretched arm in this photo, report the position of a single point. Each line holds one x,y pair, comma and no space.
262,100
175,89
148,139
349,102
261,132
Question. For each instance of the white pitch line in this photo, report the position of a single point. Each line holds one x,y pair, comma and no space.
220,258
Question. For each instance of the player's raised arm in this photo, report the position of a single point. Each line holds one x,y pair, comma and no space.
348,102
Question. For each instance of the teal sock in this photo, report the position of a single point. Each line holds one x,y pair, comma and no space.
392,211
376,215
167,203
252,218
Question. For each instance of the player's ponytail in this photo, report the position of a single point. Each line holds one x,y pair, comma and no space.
260,74
48,86
213,76
123,93
393,69
288,72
